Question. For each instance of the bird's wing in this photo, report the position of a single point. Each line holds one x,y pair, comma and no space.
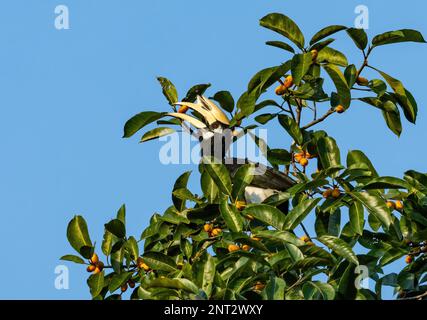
199,108
196,123
213,109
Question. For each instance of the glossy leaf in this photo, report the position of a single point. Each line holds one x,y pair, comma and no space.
157,133
340,247
284,26
325,32
78,235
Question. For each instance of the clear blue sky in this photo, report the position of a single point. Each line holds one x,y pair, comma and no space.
65,95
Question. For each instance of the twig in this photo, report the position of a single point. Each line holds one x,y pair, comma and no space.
322,118
418,297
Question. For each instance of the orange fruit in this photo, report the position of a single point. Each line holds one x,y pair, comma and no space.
233,248
94,259
216,232
131,284
207,227
303,162
390,204
289,82
339,109
259,286
399,205
245,247
305,238
409,259
124,287
327,193
336,193
91,268
280,90
361,81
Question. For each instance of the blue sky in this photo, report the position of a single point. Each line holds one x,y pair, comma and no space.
65,95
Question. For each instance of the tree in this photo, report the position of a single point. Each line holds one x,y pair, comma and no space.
217,246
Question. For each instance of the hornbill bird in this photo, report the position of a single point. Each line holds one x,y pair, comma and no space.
216,136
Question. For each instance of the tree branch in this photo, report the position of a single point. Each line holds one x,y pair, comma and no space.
322,118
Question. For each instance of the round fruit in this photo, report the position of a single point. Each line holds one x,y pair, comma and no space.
327,193
289,82
90,268
390,204
336,193
339,109
94,259
131,284
245,247
280,90
409,259
399,205
361,81
124,287
298,156
216,232
233,248
303,162
207,227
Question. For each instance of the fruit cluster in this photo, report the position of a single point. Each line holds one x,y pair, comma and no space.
211,230
303,157
335,192
235,247
130,283
398,205
95,265
417,248
284,86
142,265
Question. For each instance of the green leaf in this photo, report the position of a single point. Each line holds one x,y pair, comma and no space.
264,118
96,283
356,157
116,227
117,280
132,246
241,179
121,214
297,214
159,261
246,104
325,32
73,258
328,152
219,174
387,183
404,98
359,37
275,289
403,35
280,45
291,127
185,194
357,217
225,100
197,90
333,56
340,83
284,26
279,157
156,133
204,271
313,290
107,242
231,216
180,183
139,121
179,284
350,74
340,247
263,79
209,188
375,205
169,90
78,236
267,214
300,65
294,252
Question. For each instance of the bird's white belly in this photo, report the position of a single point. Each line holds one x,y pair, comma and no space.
257,195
